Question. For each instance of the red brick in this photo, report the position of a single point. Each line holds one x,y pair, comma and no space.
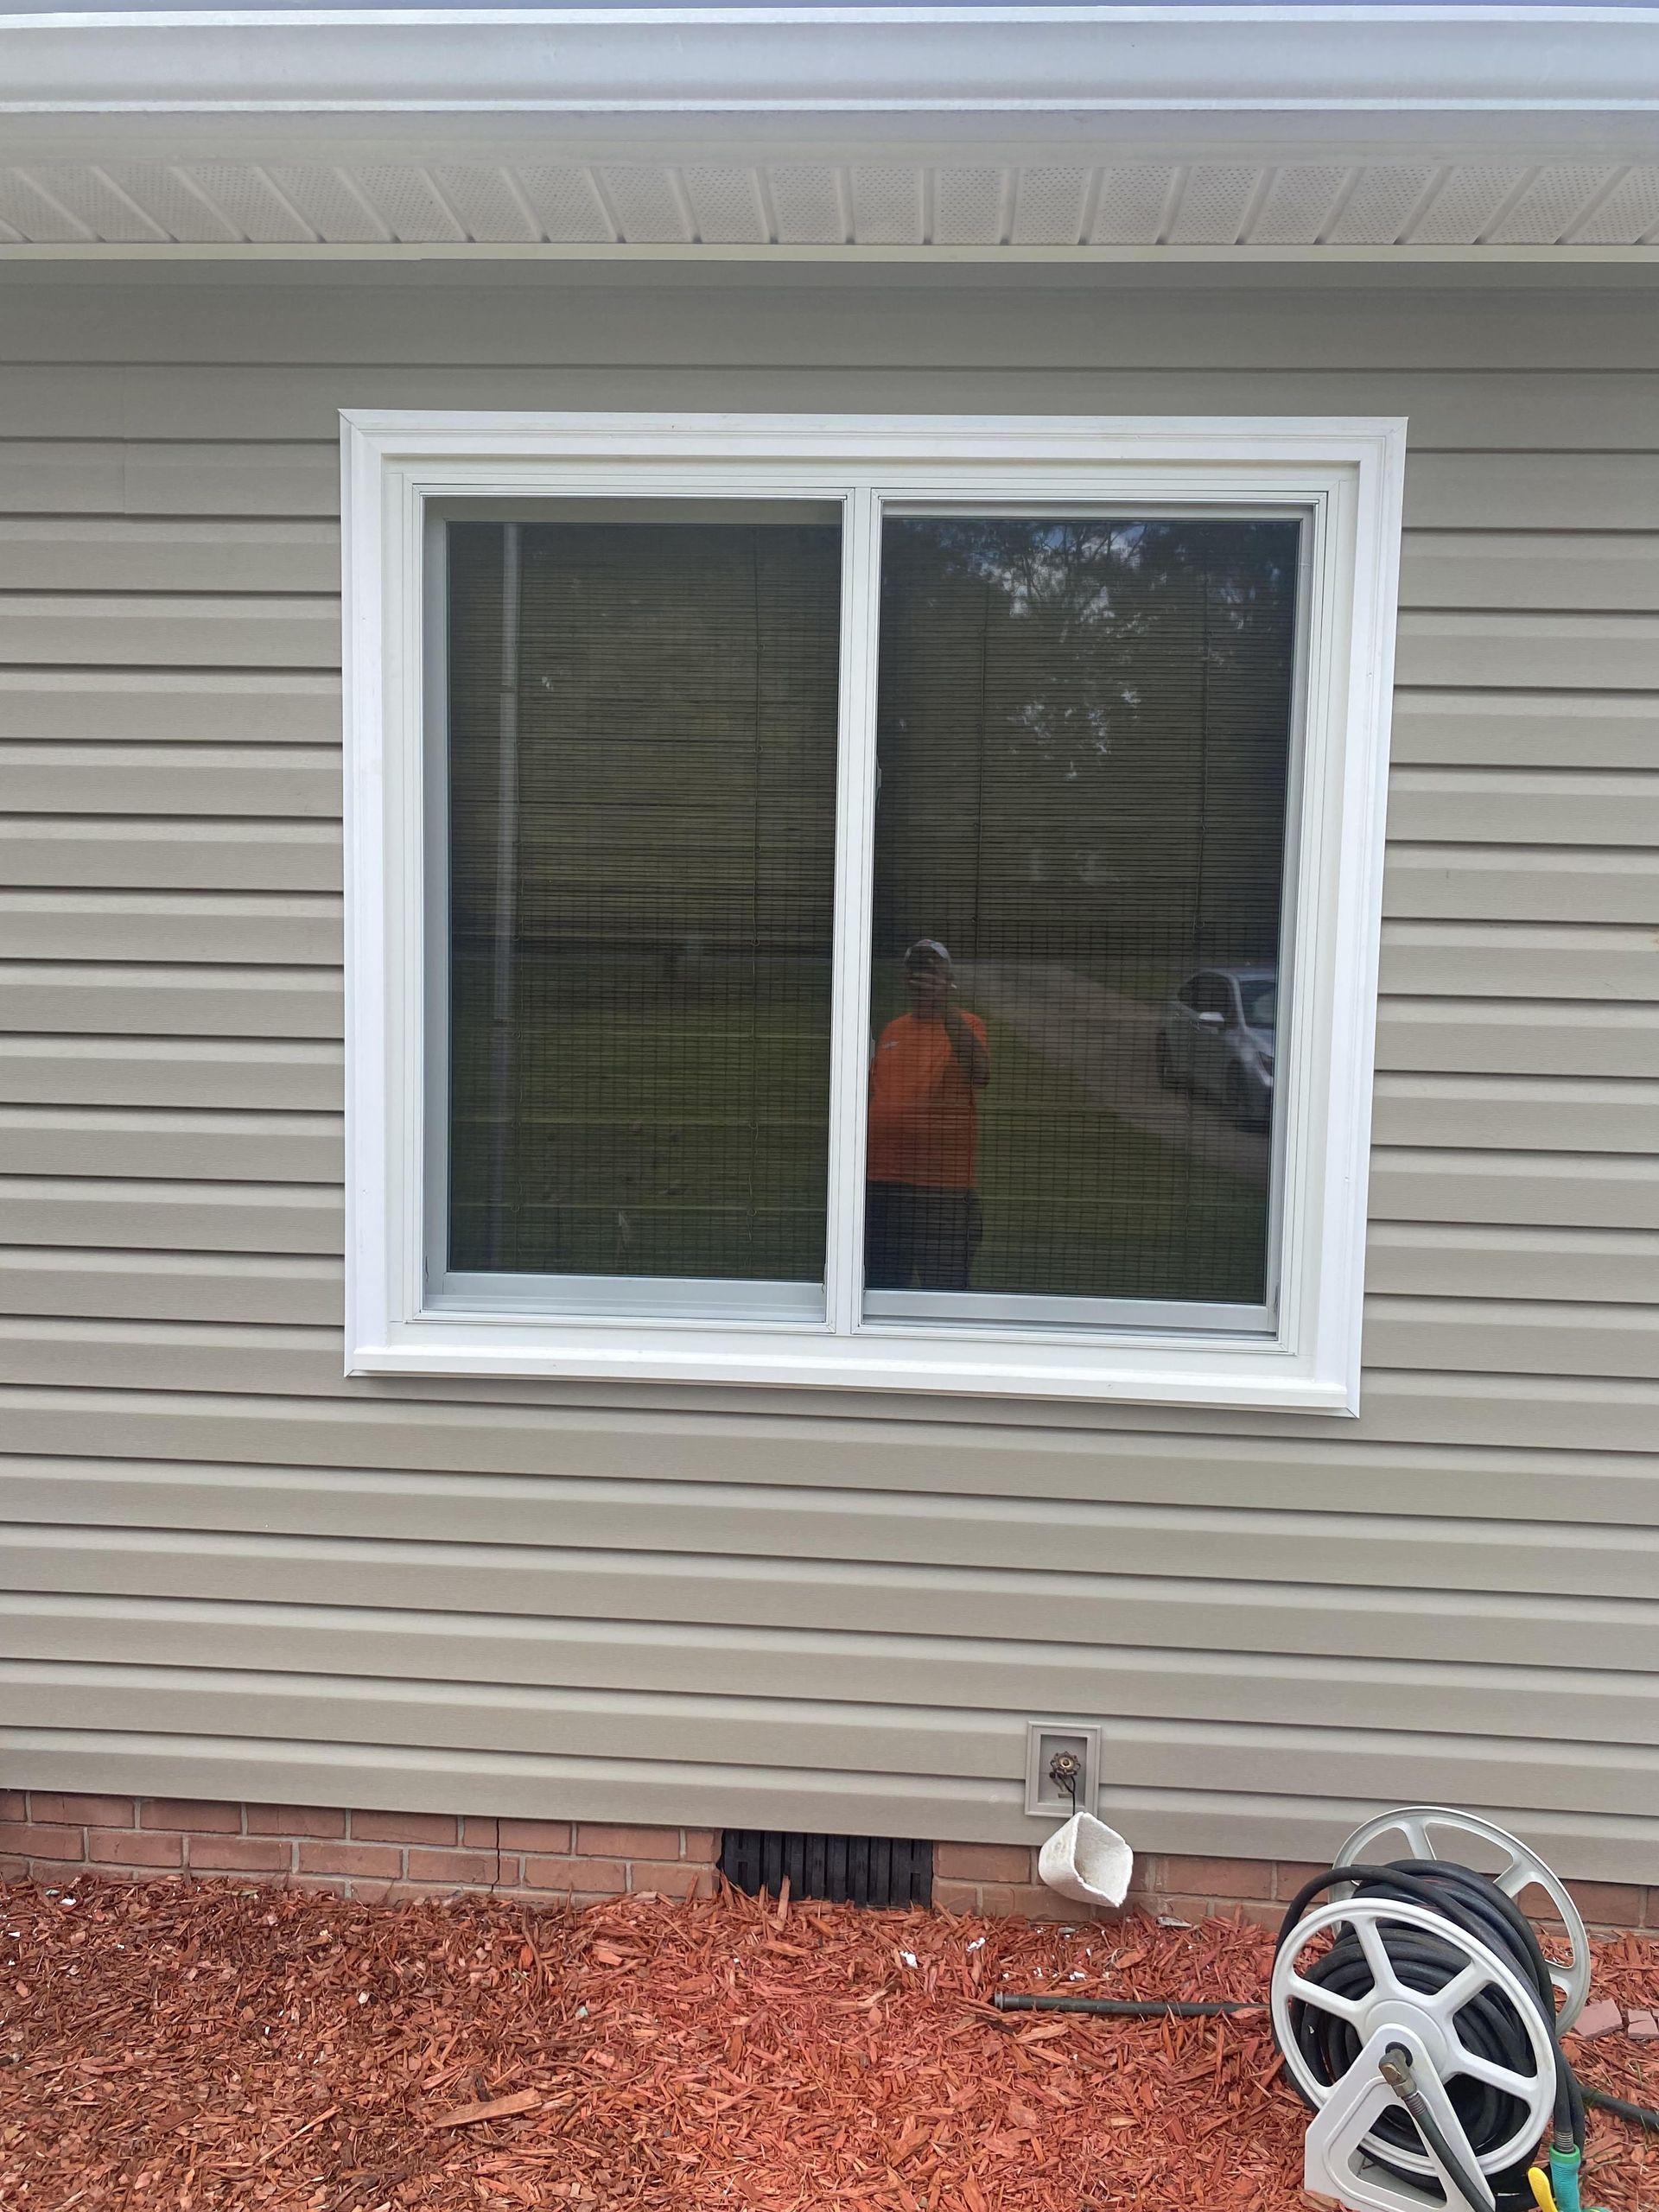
1032,1901
680,1881
1219,1878
1608,1904
368,1859
91,1812
14,1805
565,1875
111,1848
67,1844
404,1828
239,1854
1180,1907
472,1870
333,1885
984,1862
1604,2018
195,1817
480,1834
956,1896
1261,1913
1258,1911
1292,1874
294,1820
700,1844
54,1876
14,1870
603,1842
535,1836
370,1892
995,1898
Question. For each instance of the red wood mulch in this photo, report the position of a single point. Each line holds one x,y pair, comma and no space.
178,2047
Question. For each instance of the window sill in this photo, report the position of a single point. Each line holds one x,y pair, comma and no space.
1254,1373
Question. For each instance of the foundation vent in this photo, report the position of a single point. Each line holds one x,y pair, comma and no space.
871,1870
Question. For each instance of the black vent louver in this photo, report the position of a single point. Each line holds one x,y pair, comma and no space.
870,1870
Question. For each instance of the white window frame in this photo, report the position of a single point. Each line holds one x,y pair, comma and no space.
1343,477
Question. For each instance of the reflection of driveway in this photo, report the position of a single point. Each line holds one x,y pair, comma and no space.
1107,1042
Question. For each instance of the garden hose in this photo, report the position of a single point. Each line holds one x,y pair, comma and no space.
1396,2072
1120,2008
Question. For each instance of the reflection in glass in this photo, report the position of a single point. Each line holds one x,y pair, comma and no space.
1084,736
642,748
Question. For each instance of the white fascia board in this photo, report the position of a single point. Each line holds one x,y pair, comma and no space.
1381,73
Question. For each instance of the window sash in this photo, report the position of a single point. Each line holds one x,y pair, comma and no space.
1344,479
845,1305
613,1298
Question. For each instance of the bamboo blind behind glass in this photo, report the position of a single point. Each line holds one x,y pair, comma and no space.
642,750
1084,733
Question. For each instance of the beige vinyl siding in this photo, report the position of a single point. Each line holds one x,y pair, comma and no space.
232,1572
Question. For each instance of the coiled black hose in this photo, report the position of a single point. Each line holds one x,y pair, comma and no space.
1489,2024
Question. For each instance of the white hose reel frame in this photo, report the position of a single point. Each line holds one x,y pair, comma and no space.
1522,1870
1431,2016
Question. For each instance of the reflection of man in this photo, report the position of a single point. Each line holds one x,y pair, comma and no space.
921,1220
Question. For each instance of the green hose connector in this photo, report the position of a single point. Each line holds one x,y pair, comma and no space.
1564,2179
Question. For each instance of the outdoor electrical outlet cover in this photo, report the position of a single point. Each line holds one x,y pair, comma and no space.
1045,1799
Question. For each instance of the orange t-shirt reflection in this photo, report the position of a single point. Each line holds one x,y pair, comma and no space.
923,1114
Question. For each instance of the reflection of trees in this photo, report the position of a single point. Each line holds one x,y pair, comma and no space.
1084,729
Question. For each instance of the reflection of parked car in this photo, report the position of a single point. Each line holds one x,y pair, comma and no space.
1219,1036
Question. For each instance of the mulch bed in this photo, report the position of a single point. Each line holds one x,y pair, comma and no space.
181,2046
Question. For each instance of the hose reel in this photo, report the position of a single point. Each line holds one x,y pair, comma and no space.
1417,2015
1419,2018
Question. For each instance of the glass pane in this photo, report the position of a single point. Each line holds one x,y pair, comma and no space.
642,763
1084,737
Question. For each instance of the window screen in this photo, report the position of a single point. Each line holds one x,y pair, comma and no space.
641,775
1084,743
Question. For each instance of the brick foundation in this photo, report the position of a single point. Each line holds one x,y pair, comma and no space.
1001,1878
51,1835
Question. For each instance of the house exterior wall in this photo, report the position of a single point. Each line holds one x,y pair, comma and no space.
234,1575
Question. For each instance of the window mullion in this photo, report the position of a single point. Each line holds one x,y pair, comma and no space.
855,784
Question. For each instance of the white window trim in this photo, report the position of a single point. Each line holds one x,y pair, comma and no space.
1346,475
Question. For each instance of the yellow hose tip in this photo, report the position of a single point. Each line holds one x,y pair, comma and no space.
1543,2195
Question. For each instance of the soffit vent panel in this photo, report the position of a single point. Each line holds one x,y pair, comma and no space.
1553,206
969,206
1049,206
1380,207
1015,208
1298,203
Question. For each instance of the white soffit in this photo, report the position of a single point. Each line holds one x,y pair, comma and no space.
723,211
1498,133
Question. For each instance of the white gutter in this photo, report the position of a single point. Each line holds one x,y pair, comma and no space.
1402,68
